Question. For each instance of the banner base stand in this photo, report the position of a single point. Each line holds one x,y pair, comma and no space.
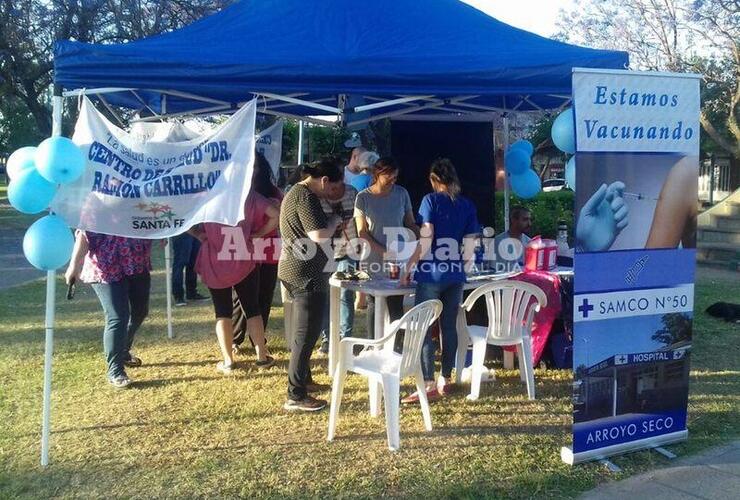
614,468
668,454
570,458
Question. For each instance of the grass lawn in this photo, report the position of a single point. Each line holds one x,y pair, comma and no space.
185,431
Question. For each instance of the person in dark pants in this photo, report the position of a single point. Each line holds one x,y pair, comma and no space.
226,275
267,277
449,223
118,269
267,253
184,252
302,269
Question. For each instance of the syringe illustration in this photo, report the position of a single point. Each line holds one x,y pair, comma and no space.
638,196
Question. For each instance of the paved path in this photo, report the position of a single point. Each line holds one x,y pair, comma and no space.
714,474
14,268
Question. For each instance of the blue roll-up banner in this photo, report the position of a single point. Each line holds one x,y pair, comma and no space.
637,164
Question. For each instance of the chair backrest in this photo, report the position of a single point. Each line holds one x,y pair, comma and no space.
416,323
511,306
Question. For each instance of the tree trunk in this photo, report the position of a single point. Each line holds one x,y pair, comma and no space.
722,142
41,115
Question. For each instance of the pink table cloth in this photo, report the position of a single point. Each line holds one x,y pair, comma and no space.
543,320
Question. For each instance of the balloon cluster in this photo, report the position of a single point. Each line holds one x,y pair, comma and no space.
518,162
35,173
564,137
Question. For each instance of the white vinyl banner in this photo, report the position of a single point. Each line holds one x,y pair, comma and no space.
147,189
270,144
641,113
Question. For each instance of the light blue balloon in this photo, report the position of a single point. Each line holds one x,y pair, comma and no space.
526,146
517,161
59,160
570,173
30,193
48,243
526,185
563,132
21,159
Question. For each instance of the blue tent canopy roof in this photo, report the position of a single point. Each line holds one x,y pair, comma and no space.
318,50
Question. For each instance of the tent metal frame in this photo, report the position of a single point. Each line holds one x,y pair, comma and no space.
410,106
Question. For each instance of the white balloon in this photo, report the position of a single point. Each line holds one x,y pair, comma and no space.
21,159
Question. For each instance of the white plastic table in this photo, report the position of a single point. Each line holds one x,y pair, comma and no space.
381,289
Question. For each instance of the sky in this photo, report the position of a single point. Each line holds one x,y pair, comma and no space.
537,16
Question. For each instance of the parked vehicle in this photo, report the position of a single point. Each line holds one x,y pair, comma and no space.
553,185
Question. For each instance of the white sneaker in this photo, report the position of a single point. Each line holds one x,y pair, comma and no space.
224,368
120,381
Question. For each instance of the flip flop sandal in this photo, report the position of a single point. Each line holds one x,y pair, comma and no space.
267,363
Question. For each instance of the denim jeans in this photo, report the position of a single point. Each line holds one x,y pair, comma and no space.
395,311
125,304
346,305
184,253
308,312
451,295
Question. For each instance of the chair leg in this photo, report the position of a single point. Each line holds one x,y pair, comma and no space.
479,357
391,394
336,399
462,345
520,359
529,367
423,401
374,397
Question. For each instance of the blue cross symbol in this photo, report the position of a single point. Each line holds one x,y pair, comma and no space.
585,307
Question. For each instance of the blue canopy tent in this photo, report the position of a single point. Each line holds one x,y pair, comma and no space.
352,62
357,61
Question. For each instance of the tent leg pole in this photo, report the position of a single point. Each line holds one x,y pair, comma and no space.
300,142
168,260
506,175
56,130
168,286
48,352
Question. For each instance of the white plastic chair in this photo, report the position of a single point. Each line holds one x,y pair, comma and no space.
383,365
511,307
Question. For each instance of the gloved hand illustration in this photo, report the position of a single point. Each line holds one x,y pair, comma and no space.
602,218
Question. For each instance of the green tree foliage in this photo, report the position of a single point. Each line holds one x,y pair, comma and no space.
17,127
28,29
676,328
318,141
547,210
700,36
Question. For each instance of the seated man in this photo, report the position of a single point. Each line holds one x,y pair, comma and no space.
508,252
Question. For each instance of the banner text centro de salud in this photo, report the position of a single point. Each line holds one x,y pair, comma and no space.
148,189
